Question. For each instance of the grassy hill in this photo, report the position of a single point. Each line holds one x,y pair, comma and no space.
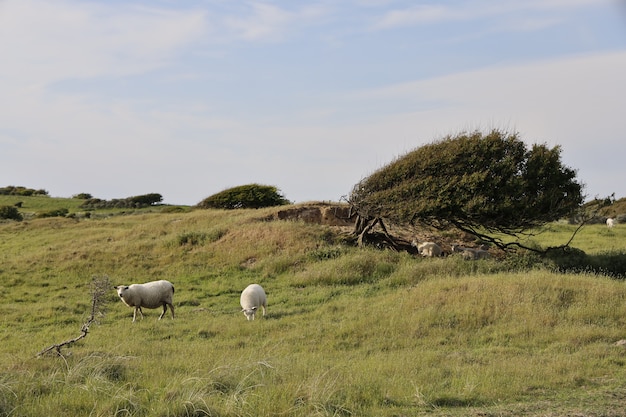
349,332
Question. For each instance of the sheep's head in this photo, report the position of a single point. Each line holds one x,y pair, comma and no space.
120,290
249,312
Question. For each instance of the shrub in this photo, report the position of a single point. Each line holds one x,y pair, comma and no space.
145,200
54,213
245,196
11,213
13,190
139,201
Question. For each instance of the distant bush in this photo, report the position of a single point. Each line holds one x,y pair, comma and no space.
13,190
245,196
145,200
83,196
54,213
139,201
10,213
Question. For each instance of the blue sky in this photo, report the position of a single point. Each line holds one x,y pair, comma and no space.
187,98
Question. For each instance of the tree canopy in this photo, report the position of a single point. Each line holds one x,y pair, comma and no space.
138,201
474,182
245,196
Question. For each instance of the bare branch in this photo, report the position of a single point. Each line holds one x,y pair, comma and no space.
99,288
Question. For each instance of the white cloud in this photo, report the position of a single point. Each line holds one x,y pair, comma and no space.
43,42
262,21
467,11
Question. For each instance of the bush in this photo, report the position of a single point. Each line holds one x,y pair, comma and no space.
139,201
54,213
245,196
10,213
145,200
13,190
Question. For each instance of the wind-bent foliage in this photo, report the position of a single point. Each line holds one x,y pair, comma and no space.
245,196
474,182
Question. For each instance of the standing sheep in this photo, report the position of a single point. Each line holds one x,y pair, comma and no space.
429,249
149,295
610,222
253,297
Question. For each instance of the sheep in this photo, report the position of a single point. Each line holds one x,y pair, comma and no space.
253,297
149,295
471,253
610,222
429,249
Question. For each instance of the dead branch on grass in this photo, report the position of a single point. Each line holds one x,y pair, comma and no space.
99,287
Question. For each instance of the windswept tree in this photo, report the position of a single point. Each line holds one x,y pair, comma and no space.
245,196
484,184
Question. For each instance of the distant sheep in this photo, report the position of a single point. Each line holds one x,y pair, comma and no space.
253,297
149,295
471,253
429,249
610,223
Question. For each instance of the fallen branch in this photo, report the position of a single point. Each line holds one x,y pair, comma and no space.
99,287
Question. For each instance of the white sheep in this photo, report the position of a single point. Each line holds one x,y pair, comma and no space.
149,295
610,222
471,253
253,297
429,249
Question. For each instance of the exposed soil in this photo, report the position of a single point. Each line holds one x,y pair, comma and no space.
339,215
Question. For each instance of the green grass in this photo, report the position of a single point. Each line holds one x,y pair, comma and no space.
349,332
37,206
592,239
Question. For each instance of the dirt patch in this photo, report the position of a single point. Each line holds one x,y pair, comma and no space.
339,215
318,213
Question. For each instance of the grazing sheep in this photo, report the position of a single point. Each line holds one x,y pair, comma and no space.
253,297
610,223
471,253
149,295
429,249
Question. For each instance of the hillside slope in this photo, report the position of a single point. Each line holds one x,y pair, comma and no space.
348,331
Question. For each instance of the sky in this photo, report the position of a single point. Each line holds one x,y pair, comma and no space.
187,98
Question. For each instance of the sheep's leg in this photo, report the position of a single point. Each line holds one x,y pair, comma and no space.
164,311
172,309
137,309
263,306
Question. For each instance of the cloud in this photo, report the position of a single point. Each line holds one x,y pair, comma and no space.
261,21
43,42
475,10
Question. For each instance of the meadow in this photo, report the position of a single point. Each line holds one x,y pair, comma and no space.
349,331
